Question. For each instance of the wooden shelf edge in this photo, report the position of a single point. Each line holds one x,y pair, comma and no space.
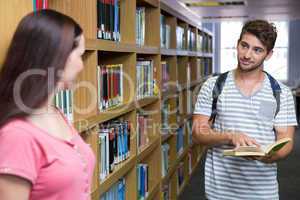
153,191
174,166
122,169
146,101
168,52
107,45
166,137
147,150
95,195
86,124
147,50
183,185
153,3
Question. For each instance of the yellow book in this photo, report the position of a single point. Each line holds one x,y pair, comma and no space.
256,151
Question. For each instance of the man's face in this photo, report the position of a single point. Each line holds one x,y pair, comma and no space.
251,53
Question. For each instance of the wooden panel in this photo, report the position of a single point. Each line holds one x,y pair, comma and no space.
127,21
152,26
85,94
84,12
11,13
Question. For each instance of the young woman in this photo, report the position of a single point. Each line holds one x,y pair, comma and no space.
42,157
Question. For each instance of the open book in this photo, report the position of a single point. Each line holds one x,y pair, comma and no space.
256,151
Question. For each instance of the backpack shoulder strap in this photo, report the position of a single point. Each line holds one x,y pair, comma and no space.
217,90
276,91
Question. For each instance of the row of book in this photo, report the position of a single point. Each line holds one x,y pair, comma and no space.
144,78
143,180
116,192
165,33
204,43
110,86
140,25
114,145
142,133
165,153
40,4
108,20
64,101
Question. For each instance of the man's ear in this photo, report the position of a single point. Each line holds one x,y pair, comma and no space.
269,55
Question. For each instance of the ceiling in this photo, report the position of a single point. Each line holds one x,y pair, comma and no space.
267,9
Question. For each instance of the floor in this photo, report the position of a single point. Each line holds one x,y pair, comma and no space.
288,177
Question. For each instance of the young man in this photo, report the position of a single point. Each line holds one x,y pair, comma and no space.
246,115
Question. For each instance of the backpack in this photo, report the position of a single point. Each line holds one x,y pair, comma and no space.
218,87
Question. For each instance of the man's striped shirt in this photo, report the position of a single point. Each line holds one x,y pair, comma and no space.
234,178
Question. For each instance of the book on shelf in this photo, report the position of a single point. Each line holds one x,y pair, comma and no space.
165,32
199,42
180,140
166,190
257,151
145,78
165,153
165,76
140,25
64,101
191,40
180,176
190,154
110,86
142,134
143,180
116,192
108,20
114,145
165,112
180,38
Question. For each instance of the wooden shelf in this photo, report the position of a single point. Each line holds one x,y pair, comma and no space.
107,45
153,191
185,182
120,170
127,53
95,195
147,50
146,101
168,52
148,149
153,3
174,166
166,137
104,116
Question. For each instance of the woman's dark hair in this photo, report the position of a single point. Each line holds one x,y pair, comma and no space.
264,31
37,54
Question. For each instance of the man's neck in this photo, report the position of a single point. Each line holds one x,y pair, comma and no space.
249,76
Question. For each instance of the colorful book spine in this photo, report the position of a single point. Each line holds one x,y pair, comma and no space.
116,192
114,145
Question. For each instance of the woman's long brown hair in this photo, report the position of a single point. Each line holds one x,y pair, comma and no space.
37,54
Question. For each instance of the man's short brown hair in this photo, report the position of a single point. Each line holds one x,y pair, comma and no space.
264,31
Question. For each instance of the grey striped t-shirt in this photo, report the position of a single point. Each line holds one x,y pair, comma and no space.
234,178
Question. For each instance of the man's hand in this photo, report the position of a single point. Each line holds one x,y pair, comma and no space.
241,139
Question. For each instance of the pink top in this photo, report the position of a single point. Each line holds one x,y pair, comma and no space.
57,169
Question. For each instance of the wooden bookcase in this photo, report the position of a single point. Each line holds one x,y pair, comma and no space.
126,52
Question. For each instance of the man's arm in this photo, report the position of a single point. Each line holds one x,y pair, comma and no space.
203,134
281,132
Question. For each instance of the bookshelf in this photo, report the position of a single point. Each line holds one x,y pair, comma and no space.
187,68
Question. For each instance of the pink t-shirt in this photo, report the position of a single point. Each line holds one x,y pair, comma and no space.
57,169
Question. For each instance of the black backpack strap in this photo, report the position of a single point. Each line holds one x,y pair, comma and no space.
276,91
217,90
